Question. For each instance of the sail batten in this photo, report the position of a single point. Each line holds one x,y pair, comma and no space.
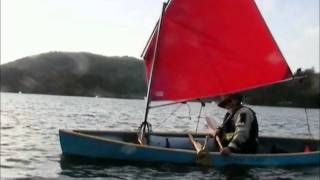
212,48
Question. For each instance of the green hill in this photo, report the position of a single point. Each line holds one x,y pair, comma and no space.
77,74
295,93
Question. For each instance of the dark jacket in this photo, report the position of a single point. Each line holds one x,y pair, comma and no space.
239,130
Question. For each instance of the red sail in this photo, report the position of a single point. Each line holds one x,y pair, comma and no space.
210,48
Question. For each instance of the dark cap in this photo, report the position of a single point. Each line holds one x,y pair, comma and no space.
228,98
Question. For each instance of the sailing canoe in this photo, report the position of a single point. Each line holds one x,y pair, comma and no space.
177,148
201,49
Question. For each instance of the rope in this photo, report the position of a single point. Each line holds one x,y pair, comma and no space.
174,111
199,116
308,125
145,125
189,110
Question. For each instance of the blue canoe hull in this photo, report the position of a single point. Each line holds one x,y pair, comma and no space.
104,147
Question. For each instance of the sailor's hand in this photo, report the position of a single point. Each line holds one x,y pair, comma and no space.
225,151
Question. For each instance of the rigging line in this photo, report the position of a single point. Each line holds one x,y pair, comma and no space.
177,102
167,104
308,125
189,110
174,111
199,117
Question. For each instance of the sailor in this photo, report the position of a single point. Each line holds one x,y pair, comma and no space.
239,130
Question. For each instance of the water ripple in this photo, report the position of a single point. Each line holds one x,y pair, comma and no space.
25,162
30,146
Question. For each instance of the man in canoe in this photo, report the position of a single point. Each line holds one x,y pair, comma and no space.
239,130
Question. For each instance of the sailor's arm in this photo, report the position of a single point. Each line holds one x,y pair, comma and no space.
242,129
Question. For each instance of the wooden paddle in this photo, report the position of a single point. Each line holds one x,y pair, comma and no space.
203,156
197,146
213,125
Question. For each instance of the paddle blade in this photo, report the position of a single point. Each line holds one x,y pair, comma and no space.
197,146
212,123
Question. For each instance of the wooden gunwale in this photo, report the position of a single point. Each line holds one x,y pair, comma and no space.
108,140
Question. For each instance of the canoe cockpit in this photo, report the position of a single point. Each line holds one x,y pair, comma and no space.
267,145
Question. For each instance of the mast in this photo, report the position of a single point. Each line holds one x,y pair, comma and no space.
155,53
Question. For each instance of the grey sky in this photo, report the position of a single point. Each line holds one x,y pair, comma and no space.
122,27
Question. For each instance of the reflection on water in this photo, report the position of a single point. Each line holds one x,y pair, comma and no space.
73,167
88,168
30,144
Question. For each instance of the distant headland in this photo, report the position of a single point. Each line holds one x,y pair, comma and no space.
87,74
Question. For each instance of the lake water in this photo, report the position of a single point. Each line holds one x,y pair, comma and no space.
30,144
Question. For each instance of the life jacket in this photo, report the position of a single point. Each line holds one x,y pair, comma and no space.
228,129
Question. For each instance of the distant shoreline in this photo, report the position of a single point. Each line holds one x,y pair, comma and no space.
90,75
17,93
132,98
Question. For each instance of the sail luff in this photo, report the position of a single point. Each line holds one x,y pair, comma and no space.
153,63
153,33
149,40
